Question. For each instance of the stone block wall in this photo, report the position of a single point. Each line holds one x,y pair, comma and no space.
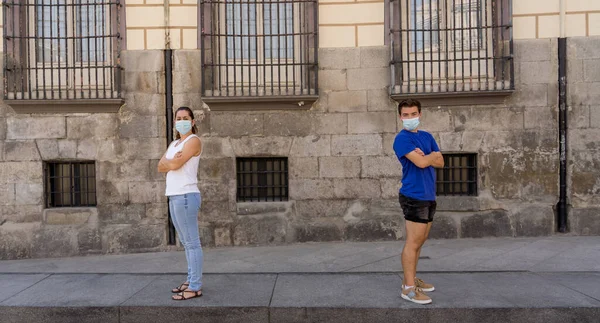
343,174
131,211
584,134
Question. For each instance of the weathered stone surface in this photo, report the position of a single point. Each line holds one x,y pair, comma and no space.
236,125
146,192
356,145
144,82
379,100
533,50
584,47
213,191
306,189
21,172
331,124
261,208
591,70
144,104
7,194
587,221
311,146
303,167
318,232
368,78
390,187
501,174
102,125
140,127
339,58
132,238
371,122
156,213
332,80
534,221
21,150
89,241
357,188
121,213
211,211
584,139
269,146
388,144
223,235
339,167
134,170
289,124
377,167
71,216
321,208
529,95
261,230
541,72
581,117
219,170
112,192
585,183
16,240
29,193
35,127
348,101
214,147
502,141
21,213
488,118
373,231
55,241
374,56
583,94
146,148
87,149
486,224
444,227
458,203
143,60
2,128
434,120
541,118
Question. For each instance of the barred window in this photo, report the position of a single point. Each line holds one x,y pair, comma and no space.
262,179
61,49
451,46
70,184
258,48
459,175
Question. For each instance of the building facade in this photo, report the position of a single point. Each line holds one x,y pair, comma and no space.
300,104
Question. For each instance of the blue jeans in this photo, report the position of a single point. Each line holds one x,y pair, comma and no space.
184,214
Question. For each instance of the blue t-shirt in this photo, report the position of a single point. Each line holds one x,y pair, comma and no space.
417,183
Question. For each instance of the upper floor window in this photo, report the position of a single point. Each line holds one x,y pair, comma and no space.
451,46
61,49
258,48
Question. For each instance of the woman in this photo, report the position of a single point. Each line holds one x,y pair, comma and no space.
180,162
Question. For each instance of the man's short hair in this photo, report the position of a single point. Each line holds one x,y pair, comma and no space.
409,103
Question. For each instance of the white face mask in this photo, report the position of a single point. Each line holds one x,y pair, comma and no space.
411,124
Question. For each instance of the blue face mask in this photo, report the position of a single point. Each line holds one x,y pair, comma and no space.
183,126
410,124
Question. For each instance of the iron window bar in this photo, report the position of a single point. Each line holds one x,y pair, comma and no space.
262,179
70,184
62,49
459,175
451,47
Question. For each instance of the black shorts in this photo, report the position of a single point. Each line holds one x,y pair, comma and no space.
417,210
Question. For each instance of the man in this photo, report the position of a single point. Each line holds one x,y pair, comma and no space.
418,153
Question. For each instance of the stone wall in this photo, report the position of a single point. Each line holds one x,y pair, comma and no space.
584,134
131,211
344,176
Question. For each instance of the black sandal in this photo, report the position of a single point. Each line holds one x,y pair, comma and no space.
180,289
182,295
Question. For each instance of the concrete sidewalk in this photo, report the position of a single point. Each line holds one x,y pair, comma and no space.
550,279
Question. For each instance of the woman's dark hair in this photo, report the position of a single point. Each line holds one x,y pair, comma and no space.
191,114
409,103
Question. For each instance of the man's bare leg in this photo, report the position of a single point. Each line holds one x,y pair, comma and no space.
416,233
426,237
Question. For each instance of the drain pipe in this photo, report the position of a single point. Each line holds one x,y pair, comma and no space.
168,57
562,120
